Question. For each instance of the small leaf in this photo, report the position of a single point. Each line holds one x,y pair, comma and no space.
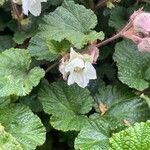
38,48
133,66
72,22
94,136
15,74
67,104
7,141
23,125
132,138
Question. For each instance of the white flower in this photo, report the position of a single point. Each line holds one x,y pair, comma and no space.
32,6
80,69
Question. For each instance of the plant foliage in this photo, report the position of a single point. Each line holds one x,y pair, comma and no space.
74,75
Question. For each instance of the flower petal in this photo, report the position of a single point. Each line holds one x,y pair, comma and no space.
25,6
77,62
74,54
35,7
71,78
144,46
81,79
141,23
90,71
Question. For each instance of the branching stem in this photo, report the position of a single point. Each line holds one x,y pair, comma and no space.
116,36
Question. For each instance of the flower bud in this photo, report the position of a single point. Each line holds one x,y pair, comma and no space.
129,34
141,24
144,45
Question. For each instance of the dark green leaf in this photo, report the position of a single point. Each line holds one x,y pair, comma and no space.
72,22
67,104
133,66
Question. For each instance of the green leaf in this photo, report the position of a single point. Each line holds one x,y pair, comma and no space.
55,2
20,37
133,66
67,104
133,138
32,101
118,17
94,136
38,48
6,42
4,101
7,141
23,125
122,105
56,47
15,74
72,22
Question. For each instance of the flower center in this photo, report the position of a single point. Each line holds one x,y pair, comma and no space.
78,69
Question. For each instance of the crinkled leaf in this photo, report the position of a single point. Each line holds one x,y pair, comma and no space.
133,138
15,74
4,101
133,66
67,104
38,48
7,141
72,22
121,106
94,136
23,125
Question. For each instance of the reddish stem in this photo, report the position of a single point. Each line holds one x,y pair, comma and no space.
116,36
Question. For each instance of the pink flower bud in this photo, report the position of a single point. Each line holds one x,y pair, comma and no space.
144,45
129,34
141,23
136,13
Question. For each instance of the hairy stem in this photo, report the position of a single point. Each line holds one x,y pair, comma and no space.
116,36
15,10
52,66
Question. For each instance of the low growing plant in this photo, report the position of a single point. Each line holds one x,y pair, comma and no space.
74,74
